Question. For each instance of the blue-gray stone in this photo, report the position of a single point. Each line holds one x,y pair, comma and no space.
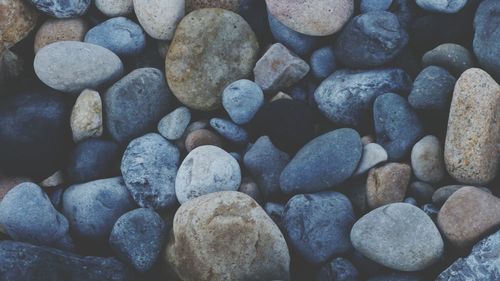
62,8
275,211
318,225
397,126
323,163
173,125
375,5
347,96
431,210
137,238
229,131
242,99
432,89
440,6
421,191
120,35
486,47
339,269
411,200
323,62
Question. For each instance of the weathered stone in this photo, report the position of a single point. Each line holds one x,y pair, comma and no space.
427,160
159,18
387,184
86,117
373,154
17,19
232,5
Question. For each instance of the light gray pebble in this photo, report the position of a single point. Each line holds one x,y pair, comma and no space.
173,125
242,99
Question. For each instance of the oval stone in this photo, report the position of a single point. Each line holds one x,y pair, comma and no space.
114,8
54,30
17,19
159,18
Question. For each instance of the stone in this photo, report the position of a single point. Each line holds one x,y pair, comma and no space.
281,96
230,131
202,137
431,210
346,96
92,208
137,238
323,62
411,201
485,23
17,19
86,116
373,154
323,163
443,193
149,166
279,69
432,89
387,184
375,5
275,212
62,9
470,151
468,215
440,6
27,215
217,231
317,17
397,125
215,57
250,188
11,67
9,182
399,236
115,8
54,181
338,269
422,192
241,100
60,64
55,30
206,169
232,5
355,189
427,160
173,125
119,35
134,105
452,57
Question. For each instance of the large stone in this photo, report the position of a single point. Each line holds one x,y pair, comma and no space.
387,184
55,30
485,24
62,8
427,160
159,18
453,57
86,116
17,19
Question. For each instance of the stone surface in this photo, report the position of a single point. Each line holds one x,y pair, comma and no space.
443,193
173,125
214,57
373,154
250,188
230,131
17,19
159,18
323,62
427,160
339,269
387,184
432,89
62,8
213,233
86,116
485,23
442,6
241,100
453,57
55,30
9,182
232,5
202,137
114,8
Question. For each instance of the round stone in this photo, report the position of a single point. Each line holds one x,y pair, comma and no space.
62,8
387,184
114,8
173,125
159,18
55,30
17,19
452,57
427,160
432,89
202,137
86,116
242,99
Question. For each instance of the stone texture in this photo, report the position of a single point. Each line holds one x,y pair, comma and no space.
62,8
173,125
452,57
114,8
427,160
339,269
432,89
443,193
55,30
387,184
232,5
17,19
159,18
373,154
485,24
440,6
242,99
86,116
202,137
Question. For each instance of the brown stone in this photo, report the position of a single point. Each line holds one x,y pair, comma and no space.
54,30
233,5
387,184
17,19
202,137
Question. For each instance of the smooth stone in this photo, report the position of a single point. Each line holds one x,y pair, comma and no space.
202,137
250,188
217,231
339,269
485,23
230,131
442,6
12,67
17,19
120,35
421,191
215,58
452,57
55,30
324,162
86,116
231,5
173,125
346,97
137,238
60,65
397,125
9,182
399,236
62,8
92,208
206,169
427,160
443,193
367,6
470,150
134,105
241,100
323,62
159,18
149,166
373,154
468,215
387,184
432,89
54,181
115,8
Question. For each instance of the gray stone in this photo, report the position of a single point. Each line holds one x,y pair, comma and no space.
427,160
230,131
442,6
485,24
173,125
452,57
242,99
432,89
323,62
159,18
114,8
339,269
421,191
62,8
443,193
373,154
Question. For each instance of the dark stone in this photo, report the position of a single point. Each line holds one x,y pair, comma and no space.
323,62
254,12
432,89
339,269
487,38
275,212
421,191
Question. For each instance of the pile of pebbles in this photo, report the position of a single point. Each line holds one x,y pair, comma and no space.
249,140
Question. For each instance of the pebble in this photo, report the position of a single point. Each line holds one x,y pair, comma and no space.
432,89
324,162
250,188
440,6
387,184
411,201
485,22
215,57
9,182
470,151
119,35
373,154
86,116
11,66
206,169
452,57
62,9
323,62
149,166
241,100
17,19
467,215
421,191
173,125
230,131
281,96
135,104
217,231
60,64
279,69
317,225
159,18
346,97
339,269
427,160
55,30
231,5
399,236
115,8
443,193
355,189
367,6
397,125
137,238
202,137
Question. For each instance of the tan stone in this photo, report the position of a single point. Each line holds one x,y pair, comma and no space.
232,5
17,19
86,117
54,30
54,180
387,184
202,137
280,96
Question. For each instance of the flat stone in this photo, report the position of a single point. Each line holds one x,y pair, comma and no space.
440,6
432,89
17,19
485,22
242,99
452,57
55,30
373,154
387,184
115,8
202,137
427,160
159,18
173,125
86,116
62,8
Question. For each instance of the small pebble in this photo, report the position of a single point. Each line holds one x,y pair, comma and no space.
440,6
173,125
242,99
452,57
55,30
115,8
55,180
202,137
323,62
387,184
86,116
432,89
230,131
62,9
159,18
281,96
427,160
373,154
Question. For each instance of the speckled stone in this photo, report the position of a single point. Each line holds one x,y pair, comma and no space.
17,19
452,57
86,116
442,6
159,18
55,30
242,99
427,160
114,8
432,89
387,184
62,8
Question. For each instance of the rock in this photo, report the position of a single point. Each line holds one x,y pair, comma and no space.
250,188
397,276
206,169
232,5
17,19
373,154
217,231
324,162
346,97
55,30
202,137
399,236
427,160
432,89
387,184
120,35
279,69
411,201
86,116
281,96
9,182
60,65
468,215
242,99
470,151
11,67
485,23
137,238
323,62
443,193
432,211
62,9
92,208
159,18
439,6
135,104
397,125
275,212
173,125
452,57
230,131
318,18
149,166
317,225
115,8
338,269
54,181
421,191
355,189
27,215
367,6
367,139
215,57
